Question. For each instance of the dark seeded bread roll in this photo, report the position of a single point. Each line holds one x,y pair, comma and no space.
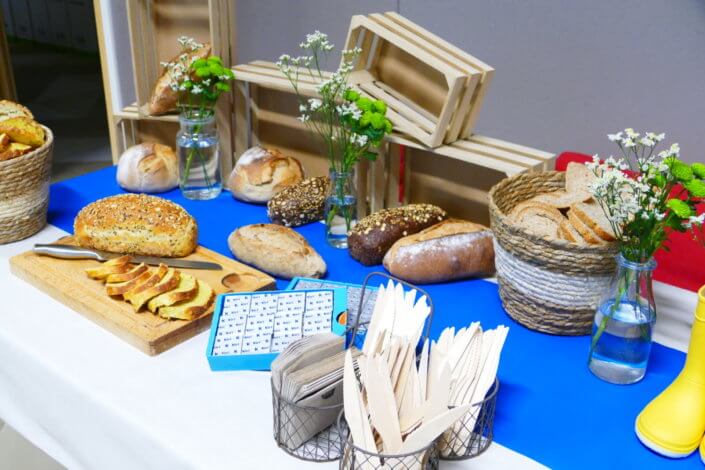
373,235
300,203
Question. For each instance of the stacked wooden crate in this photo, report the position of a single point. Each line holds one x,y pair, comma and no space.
155,26
434,93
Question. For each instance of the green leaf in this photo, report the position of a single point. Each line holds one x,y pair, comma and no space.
696,188
698,169
679,208
380,106
682,171
371,156
224,87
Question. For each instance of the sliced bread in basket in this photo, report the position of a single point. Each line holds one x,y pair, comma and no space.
592,215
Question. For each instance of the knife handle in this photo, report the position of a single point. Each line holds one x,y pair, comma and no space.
66,252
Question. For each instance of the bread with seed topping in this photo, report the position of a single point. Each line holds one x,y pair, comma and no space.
370,239
299,204
137,224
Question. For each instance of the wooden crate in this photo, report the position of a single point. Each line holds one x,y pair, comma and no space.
154,27
434,90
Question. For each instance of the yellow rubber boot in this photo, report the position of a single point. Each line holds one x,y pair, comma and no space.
702,451
673,423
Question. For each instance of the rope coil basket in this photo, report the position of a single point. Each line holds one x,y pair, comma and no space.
548,285
24,192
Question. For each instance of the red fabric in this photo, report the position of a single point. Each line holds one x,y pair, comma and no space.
684,264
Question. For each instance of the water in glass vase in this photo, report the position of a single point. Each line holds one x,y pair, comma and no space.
341,215
199,159
621,352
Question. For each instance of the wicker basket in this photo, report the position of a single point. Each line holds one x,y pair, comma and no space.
24,192
551,286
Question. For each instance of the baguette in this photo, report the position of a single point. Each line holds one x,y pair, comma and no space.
592,215
136,224
452,249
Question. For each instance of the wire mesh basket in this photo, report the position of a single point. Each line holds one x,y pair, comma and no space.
310,432
297,429
472,434
355,458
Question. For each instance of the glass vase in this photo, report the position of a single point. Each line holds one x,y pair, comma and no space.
624,322
340,208
198,154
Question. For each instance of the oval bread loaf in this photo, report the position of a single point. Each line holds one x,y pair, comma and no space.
164,99
373,235
136,224
148,168
278,250
299,204
261,173
452,249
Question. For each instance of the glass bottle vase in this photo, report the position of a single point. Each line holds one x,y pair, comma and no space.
340,208
623,326
198,154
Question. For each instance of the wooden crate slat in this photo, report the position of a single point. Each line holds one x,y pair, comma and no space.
527,162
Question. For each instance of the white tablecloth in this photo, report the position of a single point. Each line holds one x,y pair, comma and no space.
92,401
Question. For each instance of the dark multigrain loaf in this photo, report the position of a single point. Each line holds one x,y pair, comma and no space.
300,203
373,235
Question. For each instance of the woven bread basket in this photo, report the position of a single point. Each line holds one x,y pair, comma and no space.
24,192
551,286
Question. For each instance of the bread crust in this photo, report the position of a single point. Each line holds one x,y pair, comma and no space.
299,204
587,214
261,173
148,168
277,250
450,250
375,234
163,99
137,224
562,199
23,130
10,109
586,232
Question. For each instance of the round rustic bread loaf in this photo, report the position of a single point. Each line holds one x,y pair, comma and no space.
373,235
136,224
164,99
452,249
261,173
299,204
148,168
277,250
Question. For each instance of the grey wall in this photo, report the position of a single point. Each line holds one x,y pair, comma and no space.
568,72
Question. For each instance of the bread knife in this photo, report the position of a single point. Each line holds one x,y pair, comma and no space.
76,252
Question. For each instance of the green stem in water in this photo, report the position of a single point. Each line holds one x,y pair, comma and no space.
623,285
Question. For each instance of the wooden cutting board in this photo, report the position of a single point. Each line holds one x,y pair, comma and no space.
67,282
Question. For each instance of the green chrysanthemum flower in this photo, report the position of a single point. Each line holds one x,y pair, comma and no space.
366,118
698,169
203,72
380,106
378,121
696,188
215,59
682,171
388,126
680,208
352,95
364,104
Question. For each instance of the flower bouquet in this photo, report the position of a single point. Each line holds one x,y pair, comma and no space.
350,125
645,195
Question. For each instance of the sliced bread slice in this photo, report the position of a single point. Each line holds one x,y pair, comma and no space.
190,309
520,209
578,178
540,226
562,199
570,233
156,276
594,217
587,233
168,282
538,218
126,276
113,266
120,288
186,290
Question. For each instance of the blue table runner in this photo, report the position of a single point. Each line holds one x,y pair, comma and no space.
550,407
